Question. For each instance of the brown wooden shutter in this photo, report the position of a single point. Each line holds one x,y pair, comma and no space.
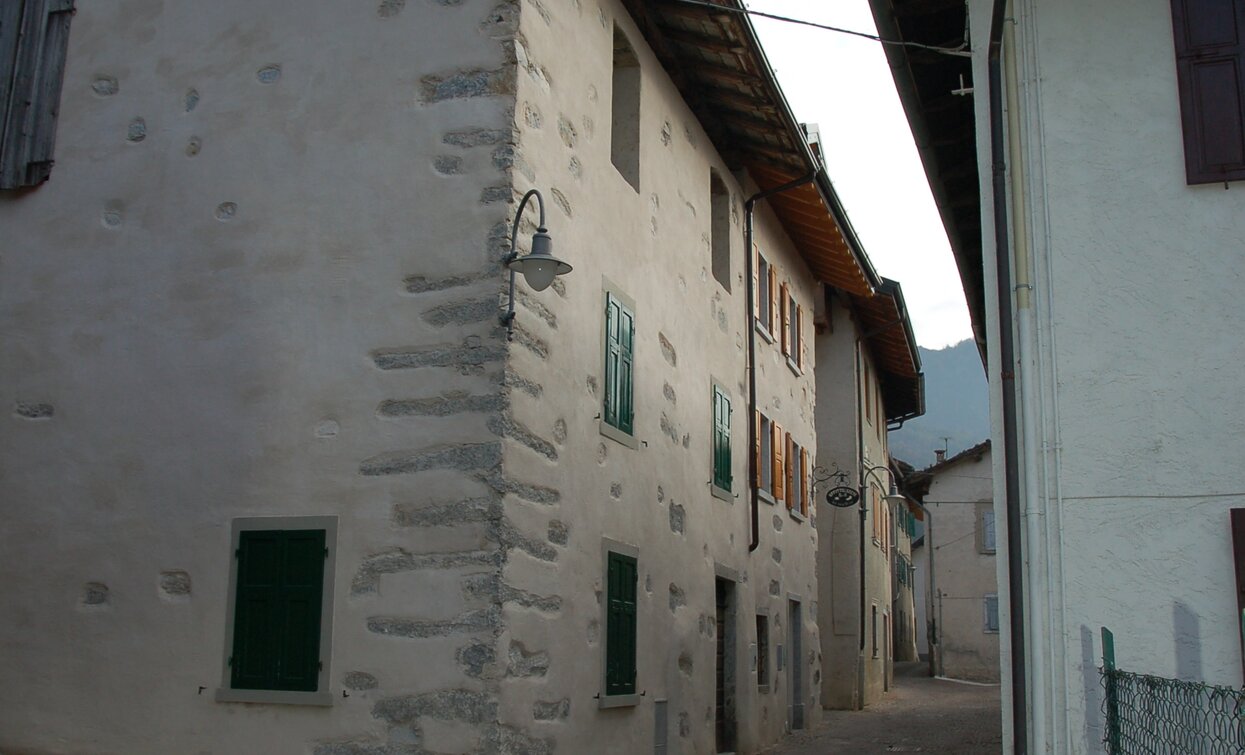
756,450
785,301
789,465
1238,553
778,469
1210,71
802,354
804,481
771,324
32,68
756,288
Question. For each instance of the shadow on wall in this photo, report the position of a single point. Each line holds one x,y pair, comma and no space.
1186,633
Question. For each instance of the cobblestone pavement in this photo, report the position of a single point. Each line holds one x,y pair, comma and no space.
919,714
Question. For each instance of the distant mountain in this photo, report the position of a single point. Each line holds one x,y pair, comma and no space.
957,406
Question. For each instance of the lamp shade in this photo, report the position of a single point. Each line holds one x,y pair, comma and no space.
540,267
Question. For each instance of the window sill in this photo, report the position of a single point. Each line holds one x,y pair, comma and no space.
273,696
796,515
618,701
723,493
618,436
764,331
795,368
763,689
765,496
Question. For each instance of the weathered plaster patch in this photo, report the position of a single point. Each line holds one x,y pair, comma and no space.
396,560
438,356
616,490
559,533
777,555
554,710
480,620
777,523
530,341
462,312
191,100
269,74
225,211
446,513
561,201
774,587
506,427
685,663
33,410
443,705
677,597
668,391
492,194
526,491
390,8
136,131
418,284
677,518
174,584
448,165
456,402
359,681
465,456
474,658
95,594
667,133
508,156
525,664
512,379
327,429
105,86
193,146
575,168
490,587
667,350
469,83
566,130
533,305
478,137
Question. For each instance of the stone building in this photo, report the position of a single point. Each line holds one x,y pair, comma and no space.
958,492
276,478
867,345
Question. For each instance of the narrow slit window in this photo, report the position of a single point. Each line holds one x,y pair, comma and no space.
720,229
625,111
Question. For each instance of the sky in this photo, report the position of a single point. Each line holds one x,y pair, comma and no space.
842,84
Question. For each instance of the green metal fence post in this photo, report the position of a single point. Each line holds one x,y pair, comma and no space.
1113,703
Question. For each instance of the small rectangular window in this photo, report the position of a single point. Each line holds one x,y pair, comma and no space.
778,467
279,609
721,439
720,229
620,631
618,409
874,616
625,111
991,613
762,650
987,532
764,295
795,485
785,308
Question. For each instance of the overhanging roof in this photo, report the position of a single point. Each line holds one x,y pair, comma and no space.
942,125
886,331
715,59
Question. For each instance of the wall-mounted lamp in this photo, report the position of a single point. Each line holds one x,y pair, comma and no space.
539,267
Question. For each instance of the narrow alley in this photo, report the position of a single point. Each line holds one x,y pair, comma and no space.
921,714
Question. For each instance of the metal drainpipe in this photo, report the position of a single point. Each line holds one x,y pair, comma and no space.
1007,379
754,539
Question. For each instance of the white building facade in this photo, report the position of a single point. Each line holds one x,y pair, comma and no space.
1101,258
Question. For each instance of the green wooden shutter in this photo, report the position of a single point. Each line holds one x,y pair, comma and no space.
279,589
620,634
32,68
626,386
721,439
612,348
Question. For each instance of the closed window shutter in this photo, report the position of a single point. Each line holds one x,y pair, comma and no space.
721,439
779,465
1210,70
802,355
791,462
612,356
278,594
757,461
34,39
756,289
771,322
620,638
804,482
626,387
785,308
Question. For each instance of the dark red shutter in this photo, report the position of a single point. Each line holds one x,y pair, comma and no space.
1210,68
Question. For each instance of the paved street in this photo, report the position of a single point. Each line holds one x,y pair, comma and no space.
919,714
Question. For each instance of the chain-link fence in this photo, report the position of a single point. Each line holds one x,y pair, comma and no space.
1151,715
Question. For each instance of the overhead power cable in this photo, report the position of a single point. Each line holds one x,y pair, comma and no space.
961,51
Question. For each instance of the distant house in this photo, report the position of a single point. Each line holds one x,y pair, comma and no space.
1088,160
962,615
